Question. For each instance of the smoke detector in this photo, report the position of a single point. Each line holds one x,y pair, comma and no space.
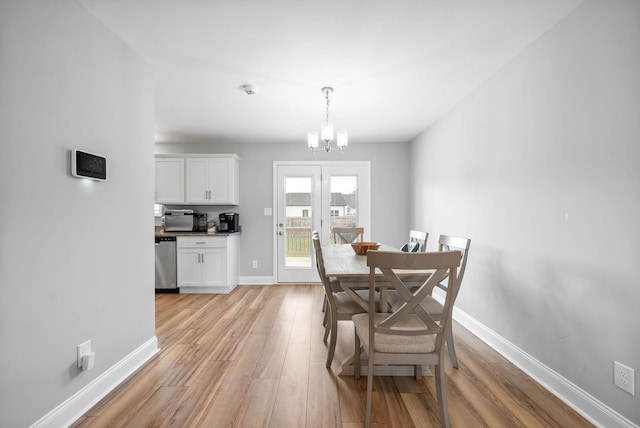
249,89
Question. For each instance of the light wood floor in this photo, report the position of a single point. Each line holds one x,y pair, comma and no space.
256,358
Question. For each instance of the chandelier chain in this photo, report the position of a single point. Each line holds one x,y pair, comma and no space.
326,96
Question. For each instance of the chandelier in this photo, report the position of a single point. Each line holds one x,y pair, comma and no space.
326,131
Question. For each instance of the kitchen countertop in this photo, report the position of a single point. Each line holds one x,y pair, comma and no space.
159,230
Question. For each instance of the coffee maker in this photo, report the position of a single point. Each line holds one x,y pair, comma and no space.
229,222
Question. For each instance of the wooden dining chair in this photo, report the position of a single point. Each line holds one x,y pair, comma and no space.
417,242
433,306
347,235
339,305
335,285
408,336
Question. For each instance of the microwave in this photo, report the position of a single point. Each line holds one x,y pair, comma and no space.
179,220
185,221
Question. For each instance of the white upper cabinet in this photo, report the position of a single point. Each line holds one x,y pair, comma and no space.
169,181
223,181
212,181
197,181
207,179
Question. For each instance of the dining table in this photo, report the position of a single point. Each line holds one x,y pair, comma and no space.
341,262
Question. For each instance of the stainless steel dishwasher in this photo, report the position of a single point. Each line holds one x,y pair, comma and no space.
166,272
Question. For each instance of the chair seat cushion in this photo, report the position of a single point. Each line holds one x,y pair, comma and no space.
390,343
346,305
431,306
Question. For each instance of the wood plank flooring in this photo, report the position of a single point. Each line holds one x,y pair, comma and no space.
255,358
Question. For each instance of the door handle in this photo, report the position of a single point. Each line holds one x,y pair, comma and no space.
280,225
281,233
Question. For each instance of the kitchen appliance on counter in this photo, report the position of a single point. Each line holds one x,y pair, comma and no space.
229,222
166,265
185,221
200,222
179,220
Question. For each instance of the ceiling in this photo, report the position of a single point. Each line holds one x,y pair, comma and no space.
395,66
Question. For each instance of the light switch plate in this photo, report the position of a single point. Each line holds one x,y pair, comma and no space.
268,211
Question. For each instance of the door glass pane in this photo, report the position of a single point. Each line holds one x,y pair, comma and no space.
298,221
344,202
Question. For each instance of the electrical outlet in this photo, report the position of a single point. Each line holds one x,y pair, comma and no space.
254,264
83,349
624,378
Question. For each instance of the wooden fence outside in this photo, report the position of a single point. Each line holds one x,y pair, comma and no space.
298,233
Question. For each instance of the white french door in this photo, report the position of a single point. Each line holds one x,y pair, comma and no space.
312,196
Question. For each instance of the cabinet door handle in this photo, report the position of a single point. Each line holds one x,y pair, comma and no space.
198,257
202,257
200,243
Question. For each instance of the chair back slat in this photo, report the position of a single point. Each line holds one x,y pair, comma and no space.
320,263
451,243
437,266
347,235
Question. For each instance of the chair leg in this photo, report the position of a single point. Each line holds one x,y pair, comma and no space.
442,394
324,307
418,369
332,341
356,358
367,419
327,325
452,350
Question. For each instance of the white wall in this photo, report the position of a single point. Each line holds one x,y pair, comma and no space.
389,206
541,168
76,257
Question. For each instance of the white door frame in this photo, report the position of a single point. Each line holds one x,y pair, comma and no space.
360,168
292,270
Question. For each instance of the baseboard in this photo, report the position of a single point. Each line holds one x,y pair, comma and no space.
206,290
78,404
257,280
581,401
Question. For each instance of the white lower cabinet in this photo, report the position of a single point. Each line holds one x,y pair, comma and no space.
207,264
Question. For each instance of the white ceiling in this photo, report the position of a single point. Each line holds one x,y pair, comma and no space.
395,66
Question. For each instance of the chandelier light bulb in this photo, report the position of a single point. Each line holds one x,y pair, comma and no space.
327,132
312,139
343,139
